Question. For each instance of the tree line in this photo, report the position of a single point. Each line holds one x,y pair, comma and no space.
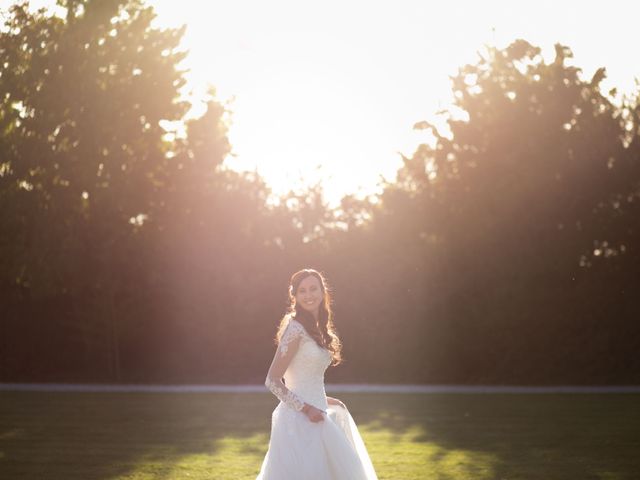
506,251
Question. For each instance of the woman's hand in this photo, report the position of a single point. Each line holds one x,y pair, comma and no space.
314,414
335,401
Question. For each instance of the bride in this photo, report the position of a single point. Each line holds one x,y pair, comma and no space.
313,436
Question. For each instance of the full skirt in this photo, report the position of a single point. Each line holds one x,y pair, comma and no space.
329,450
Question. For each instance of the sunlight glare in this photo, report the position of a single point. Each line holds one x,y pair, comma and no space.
328,92
301,129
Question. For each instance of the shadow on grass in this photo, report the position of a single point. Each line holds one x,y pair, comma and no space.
111,435
224,435
512,436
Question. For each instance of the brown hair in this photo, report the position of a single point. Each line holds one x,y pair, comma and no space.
324,333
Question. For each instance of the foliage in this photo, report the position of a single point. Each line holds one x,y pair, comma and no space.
526,211
506,252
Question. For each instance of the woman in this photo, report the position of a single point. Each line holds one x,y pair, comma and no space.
313,437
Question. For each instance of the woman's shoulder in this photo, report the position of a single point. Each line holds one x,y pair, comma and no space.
296,326
294,323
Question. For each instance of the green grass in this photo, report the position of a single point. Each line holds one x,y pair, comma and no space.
225,436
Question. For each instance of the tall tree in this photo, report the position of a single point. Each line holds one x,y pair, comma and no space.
511,194
84,98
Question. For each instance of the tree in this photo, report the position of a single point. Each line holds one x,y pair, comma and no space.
84,98
513,195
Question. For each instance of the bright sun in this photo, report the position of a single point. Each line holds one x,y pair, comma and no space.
301,128
315,98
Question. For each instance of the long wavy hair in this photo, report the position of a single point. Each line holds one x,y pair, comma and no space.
324,332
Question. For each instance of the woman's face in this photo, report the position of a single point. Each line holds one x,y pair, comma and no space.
309,295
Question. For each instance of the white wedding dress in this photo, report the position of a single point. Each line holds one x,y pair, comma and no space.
300,449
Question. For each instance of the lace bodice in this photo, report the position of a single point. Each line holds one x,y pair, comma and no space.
302,363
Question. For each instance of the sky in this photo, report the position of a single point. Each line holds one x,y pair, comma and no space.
328,91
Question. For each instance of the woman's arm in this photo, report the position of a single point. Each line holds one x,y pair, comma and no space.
285,352
287,348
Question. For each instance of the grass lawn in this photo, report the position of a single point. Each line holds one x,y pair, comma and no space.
199,436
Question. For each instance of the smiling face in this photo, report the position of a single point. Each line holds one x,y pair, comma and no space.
310,295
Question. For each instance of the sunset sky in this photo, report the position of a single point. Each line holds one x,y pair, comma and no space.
330,90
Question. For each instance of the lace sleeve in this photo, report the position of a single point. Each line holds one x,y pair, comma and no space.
287,348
